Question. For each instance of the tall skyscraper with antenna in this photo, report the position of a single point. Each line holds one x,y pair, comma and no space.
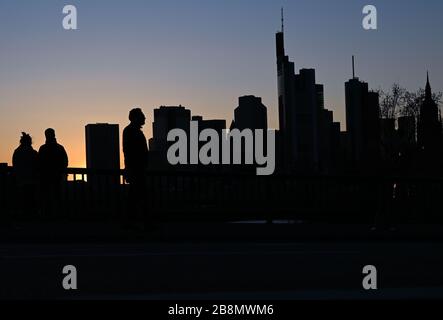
299,103
362,120
286,96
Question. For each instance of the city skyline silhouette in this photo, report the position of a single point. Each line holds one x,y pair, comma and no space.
388,134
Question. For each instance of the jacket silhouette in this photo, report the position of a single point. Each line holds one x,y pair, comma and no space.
25,162
135,148
52,158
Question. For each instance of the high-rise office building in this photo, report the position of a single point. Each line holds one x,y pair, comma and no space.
356,102
286,102
102,146
362,121
166,118
329,142
300,101
372,129
251,113
217,125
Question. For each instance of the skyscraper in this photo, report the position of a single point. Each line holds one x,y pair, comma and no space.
308,110
372,129
217,125
356,102
166,118
102,146
251,113
362,121
286,103
329,142
300,101
103,149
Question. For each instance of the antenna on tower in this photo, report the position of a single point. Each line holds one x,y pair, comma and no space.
353,67
282,20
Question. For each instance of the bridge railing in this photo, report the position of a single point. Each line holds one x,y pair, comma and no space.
103,194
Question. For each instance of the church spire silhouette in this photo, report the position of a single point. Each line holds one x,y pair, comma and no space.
428,88
429,126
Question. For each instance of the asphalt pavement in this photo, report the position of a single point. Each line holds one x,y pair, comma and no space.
222,270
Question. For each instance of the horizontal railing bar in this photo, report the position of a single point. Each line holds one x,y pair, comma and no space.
186,173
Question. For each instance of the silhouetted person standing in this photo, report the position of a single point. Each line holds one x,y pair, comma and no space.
53,162
135,149
25,165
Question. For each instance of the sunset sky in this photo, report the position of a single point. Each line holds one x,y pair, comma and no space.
202,54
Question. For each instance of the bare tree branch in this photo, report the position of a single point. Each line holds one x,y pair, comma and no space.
392,102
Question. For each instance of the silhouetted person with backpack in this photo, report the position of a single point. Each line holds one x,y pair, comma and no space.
25,166
135,149
53,162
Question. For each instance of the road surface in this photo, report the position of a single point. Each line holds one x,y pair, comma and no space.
222,270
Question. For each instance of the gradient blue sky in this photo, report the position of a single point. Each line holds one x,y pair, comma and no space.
201,54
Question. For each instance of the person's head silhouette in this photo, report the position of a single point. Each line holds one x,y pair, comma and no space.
50,135
137,117
26,140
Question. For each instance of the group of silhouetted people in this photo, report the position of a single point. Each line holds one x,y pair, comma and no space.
39,175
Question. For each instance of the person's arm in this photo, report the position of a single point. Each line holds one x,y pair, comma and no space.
65,159
128,148
125,143
40,159
14,159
